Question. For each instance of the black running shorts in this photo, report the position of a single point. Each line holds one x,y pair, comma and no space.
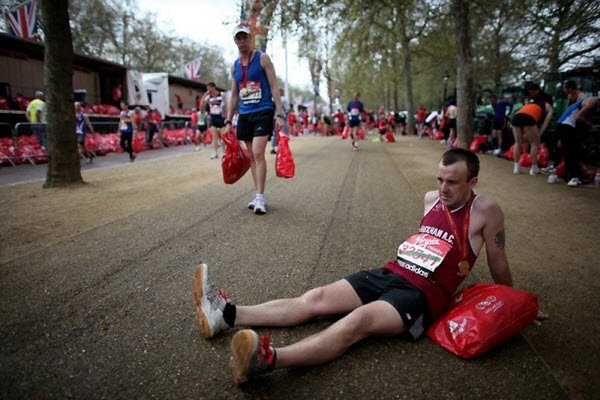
381,284
256,124
217,121
522,120
354,123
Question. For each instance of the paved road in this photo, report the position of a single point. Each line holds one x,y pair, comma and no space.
29,173
107,312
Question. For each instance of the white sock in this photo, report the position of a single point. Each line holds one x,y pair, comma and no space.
260,196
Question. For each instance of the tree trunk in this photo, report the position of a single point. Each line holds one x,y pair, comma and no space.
465,98
63,165
406,60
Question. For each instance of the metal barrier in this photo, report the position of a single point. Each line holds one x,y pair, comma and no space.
105,127
7,144
174,124
6,130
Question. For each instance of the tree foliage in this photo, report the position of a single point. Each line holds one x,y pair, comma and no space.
116,30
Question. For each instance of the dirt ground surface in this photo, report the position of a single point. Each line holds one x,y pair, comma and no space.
95,280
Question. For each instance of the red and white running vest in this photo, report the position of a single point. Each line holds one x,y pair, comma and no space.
429,259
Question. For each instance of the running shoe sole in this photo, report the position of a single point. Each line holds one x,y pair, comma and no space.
243,346
198,293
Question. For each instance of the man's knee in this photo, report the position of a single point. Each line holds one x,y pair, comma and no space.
315,300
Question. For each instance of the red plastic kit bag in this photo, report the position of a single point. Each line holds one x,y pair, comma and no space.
284,161
483,316
236,160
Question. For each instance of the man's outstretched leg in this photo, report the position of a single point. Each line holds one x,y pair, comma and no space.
215,313
252,354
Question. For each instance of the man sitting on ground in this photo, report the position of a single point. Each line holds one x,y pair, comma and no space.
402,298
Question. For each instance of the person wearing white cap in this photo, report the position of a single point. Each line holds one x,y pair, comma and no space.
254,94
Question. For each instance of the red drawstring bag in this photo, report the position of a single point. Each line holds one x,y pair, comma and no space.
284,161
389,136
483,316
236,160
345,132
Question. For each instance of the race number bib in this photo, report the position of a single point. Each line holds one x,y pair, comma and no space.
250,92
422,254
215,109
124,126
354,111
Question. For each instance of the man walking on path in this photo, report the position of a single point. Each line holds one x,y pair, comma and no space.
402,298
355,109
254,92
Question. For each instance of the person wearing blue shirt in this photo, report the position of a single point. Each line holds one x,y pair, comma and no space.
254,93
502,109
355,109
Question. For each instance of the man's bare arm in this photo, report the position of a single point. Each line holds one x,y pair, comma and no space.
494,236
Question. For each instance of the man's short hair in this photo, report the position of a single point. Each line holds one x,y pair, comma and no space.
534,86
39,93
453,156
571,85
211,84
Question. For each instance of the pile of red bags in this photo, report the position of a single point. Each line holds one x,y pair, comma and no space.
30,149
9,154
478,144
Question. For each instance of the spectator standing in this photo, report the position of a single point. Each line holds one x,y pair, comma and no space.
502,109
126,129
573,94
202,128
36,114
137,120
117,94
193,123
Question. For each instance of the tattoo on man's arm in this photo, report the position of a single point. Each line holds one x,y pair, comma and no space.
500,239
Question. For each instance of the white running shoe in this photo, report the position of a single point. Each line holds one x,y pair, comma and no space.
497,152
534,171
252,203
552,178
214,156
516,169
260,206
210,303
574,182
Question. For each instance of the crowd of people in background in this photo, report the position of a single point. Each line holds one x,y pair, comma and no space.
509,131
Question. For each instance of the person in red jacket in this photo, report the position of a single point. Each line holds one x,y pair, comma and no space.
401,298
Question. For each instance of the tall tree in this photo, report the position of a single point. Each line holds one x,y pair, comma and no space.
63,165
465,98
569,31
